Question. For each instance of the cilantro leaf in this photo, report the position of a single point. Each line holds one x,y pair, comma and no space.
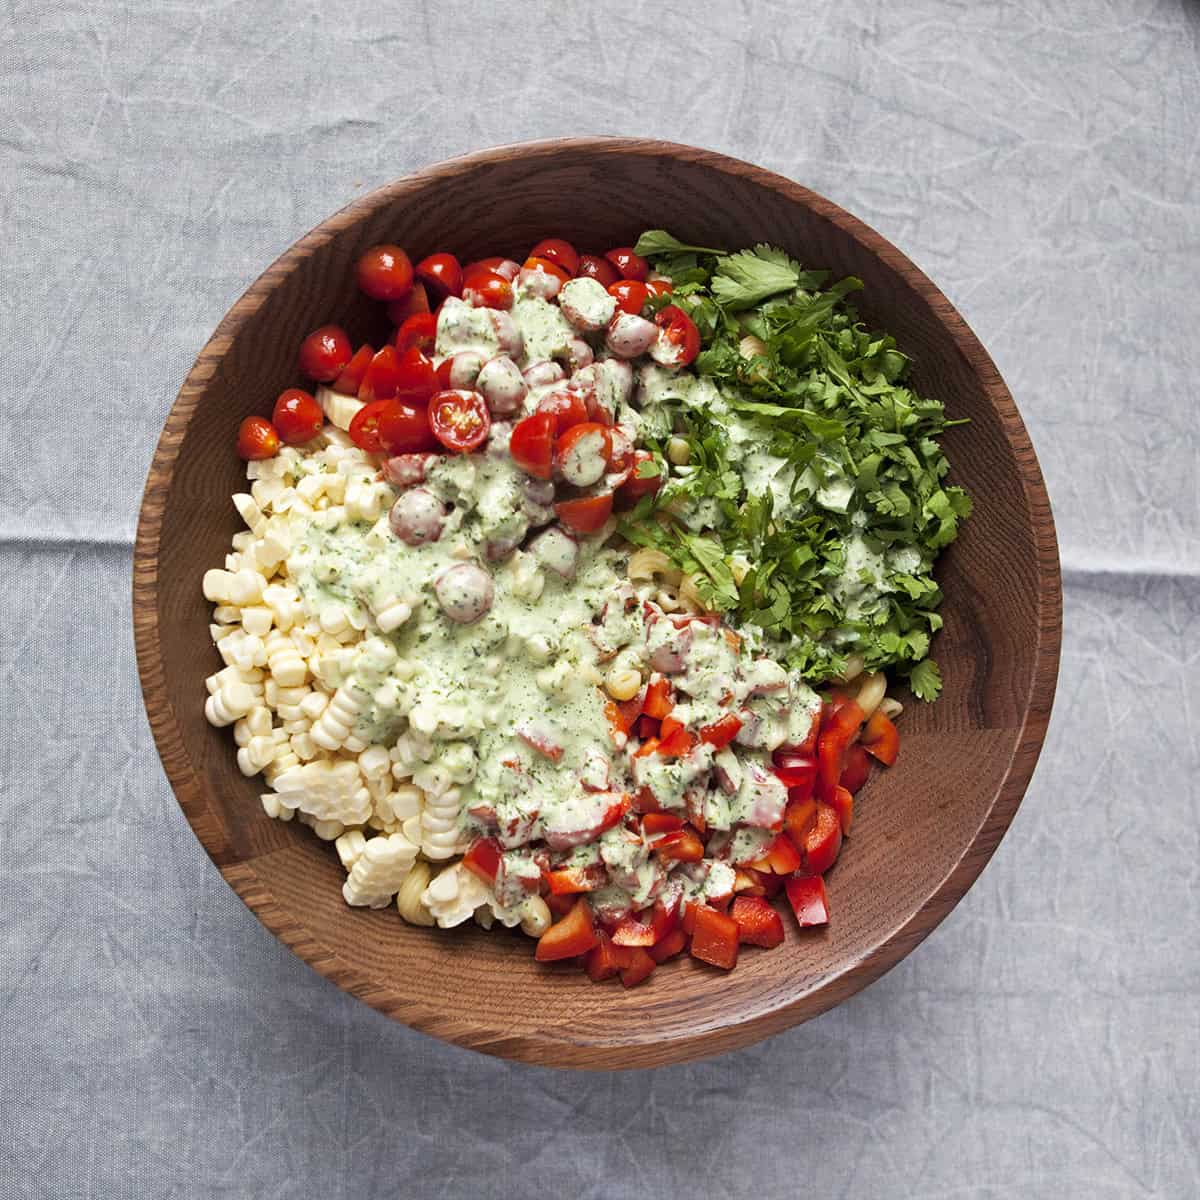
659,241
750,276
925,680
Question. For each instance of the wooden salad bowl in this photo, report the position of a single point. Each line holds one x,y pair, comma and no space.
923,830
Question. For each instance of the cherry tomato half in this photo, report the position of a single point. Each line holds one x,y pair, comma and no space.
659,287
404,429
459,419
385,273
443,272
350,380
533,263
504,267
568,408
416,378
364,429
381,377
561,253
597,268
631,296
297,417
417,301
680,331
325,353
485,288
628,264
635,487
587,514
257,439
532,444
419,330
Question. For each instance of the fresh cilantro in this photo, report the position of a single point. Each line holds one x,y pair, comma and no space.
925,680
659,241
744,279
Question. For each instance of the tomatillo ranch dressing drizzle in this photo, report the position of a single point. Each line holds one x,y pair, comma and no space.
455,667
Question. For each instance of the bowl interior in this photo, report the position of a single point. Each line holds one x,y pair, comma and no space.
922,830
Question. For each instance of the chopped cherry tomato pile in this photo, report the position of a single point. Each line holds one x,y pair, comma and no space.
413,407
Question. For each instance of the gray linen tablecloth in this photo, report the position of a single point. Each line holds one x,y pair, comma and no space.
1039,160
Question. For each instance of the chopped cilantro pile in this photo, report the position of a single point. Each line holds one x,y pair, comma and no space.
818,406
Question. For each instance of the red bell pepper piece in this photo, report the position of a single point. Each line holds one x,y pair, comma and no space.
748,882
672,944
633,931
560,904
721,733
678,743
843,804
660,822
881,739
568,881
715,938
658,703
758,923
809,901
645,801
641,966
781,857
574,934
837,732
605,960
647,728
688,920
483,858
823,841
797,772
798,818
682,845
649,746
621,716
856,770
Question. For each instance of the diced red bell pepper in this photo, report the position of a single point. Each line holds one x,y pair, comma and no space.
622,715
748,882
797,772
664,916
715,938
645,801
843,804
672,944
823,841
721,733
683,845
560,905
881,738
758,923
781,857
658,702
649,746
678,743
633,931
641,966
857,769
668,726
837,732
694,801
568,881
809,901
647,728
483,858
574,934
687,919
798,818
661,822
606,960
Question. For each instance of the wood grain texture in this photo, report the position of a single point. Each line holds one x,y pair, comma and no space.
923,831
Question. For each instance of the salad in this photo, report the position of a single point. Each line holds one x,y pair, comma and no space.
572,606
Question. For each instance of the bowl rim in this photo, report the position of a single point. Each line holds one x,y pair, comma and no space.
541,1049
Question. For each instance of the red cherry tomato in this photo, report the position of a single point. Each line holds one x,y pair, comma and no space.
594,462
350,380
597,268
442,272
631,296
561,253
325,353
485,288
257,439
297,417
628,264
459,419
680,330
404,429
587,514
532,444
417,301
567,408
635,487
659,287
416,378
364,429
385,273
419,330
533,263
381,378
